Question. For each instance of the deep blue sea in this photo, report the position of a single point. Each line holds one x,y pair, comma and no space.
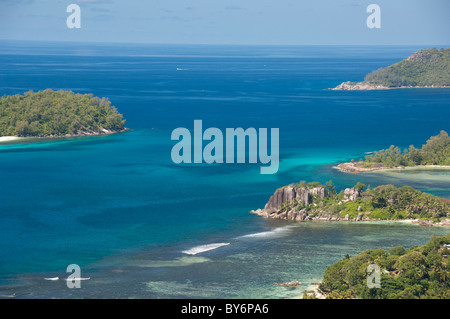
140,226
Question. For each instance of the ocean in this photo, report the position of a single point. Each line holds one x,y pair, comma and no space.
141,226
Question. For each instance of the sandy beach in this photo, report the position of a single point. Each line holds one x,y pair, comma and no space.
9,138
355,167
4,139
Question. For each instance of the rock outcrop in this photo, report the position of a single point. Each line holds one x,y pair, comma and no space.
289,193
287,203
359,86
351,194
425,222
445,222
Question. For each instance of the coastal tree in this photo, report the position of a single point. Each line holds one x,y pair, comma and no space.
331,188
436,151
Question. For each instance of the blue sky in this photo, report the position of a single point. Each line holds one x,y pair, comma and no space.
293,22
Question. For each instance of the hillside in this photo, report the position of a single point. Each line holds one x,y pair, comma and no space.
423,69
419,272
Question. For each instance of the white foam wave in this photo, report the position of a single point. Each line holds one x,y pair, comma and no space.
280,231
202,248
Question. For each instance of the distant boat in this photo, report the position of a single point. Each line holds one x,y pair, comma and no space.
52,279
180,69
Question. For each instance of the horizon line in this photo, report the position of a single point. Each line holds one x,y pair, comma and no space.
218,44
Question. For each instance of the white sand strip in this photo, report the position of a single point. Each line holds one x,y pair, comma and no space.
8,138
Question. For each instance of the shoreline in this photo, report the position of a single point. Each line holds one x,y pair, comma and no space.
350,167
13,139
364,86
327,218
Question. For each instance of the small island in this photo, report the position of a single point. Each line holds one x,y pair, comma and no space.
50,113
434,154
315,201
429,68
416,273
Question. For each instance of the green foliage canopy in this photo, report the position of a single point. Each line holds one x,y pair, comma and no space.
429,67
419,272
57,113
435,152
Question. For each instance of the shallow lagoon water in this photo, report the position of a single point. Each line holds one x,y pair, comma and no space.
247,267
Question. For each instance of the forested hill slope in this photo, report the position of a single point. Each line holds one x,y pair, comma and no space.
424,68
419,272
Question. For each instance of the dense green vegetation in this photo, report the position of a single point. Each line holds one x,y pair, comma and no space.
429,67
57,113
419,272
383,202
435,152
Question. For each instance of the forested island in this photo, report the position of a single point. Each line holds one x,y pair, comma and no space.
436,152
419,272
50,113
428,68
314,201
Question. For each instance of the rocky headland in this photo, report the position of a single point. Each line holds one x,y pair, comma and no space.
352,204
359,86
366,86
428,68
276,206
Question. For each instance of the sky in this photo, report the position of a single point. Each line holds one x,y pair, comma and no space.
267,22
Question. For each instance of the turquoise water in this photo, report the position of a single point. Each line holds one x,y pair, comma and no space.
118,207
